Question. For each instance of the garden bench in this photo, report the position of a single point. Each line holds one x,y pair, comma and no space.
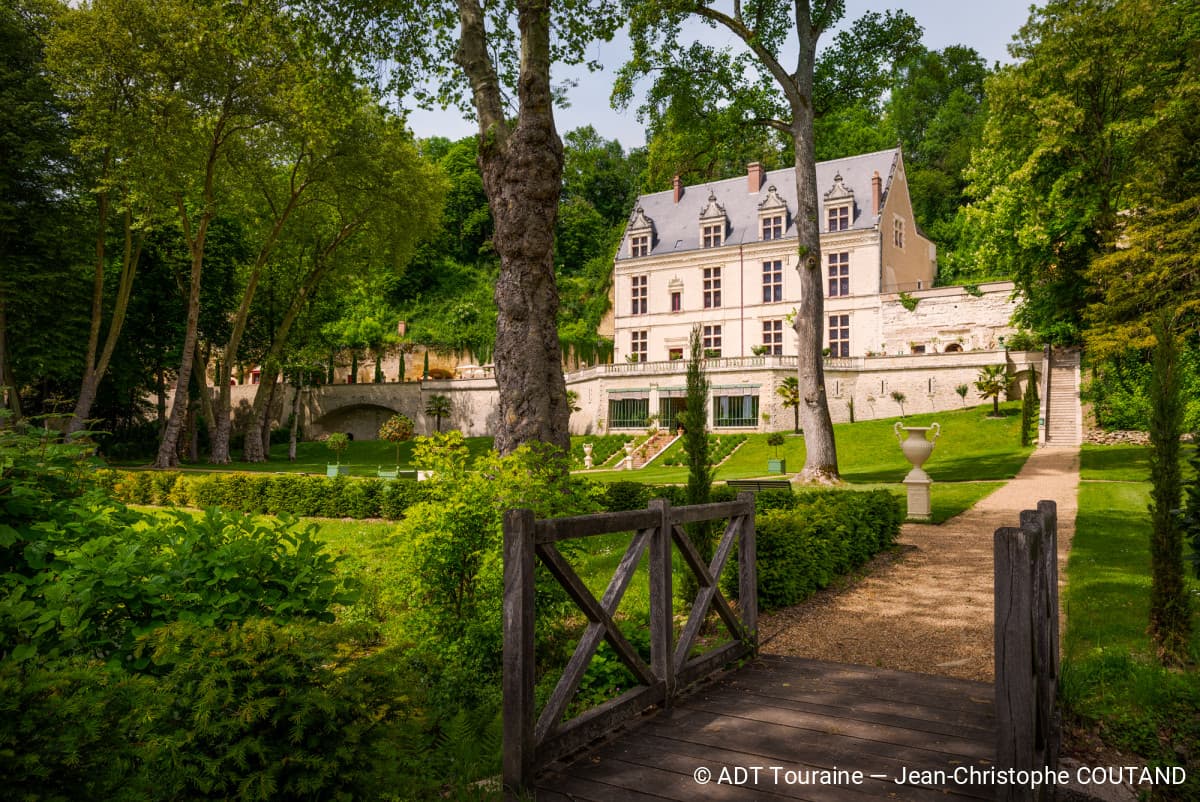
396,474
756,485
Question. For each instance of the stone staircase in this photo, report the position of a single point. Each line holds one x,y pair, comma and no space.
652,448
1060,407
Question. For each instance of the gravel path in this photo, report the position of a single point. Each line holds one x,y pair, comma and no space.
929,607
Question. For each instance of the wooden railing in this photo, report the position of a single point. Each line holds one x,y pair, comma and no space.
1027,656
532,741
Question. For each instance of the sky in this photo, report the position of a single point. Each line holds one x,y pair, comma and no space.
986,25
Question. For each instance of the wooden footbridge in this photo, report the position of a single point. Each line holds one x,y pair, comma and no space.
774,728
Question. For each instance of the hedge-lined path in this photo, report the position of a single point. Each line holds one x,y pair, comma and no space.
929,608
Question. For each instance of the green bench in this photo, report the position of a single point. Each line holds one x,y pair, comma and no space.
756,485
396,474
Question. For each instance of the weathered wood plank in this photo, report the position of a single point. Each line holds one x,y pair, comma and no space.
518,670
748,571
662,627
708,512
588,726
601,626
1016,695
702,665
551,530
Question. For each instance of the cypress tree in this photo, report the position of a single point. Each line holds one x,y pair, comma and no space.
1029,410
695,447
1170,608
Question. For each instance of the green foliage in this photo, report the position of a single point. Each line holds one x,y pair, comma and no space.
438,407
397,429
452,546
789,391
909,302
720,446
806,540
1189,515
604,446
337,443
992,381
775,440
1120,389
1170,603
899,398
694,421
273,494
287,712
1030,409
962,391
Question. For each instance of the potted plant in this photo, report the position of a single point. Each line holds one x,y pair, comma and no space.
337,443
396,429
778,464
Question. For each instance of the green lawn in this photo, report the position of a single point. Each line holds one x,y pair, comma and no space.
972,447
1111,678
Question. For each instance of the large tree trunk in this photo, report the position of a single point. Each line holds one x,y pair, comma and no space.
168,456
95,368
293,435
820,460
522,176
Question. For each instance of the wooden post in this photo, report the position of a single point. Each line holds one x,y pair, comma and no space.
518,649
748,571
1049,721
662,646
1015,690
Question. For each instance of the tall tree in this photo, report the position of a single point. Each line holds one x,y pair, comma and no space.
1060,149
763,90
521,159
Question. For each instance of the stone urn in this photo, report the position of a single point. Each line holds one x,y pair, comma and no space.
628,456
587,455
916,447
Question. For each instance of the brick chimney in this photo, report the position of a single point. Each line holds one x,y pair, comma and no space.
876,192
678,188
754,174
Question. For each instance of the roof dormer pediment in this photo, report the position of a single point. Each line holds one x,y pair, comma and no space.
839,191
640,222
713,210
772,202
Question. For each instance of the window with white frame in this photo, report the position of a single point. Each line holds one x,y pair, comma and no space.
638,341
838,217
639,245
772,281
640,295
711,340
898,232
839,274
772,227
839,335
773,337
711,234
712,287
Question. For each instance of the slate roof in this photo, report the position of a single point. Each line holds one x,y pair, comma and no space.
677,225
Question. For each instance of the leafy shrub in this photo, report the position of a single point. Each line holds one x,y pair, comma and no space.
720,446
274,494
257,711
96,584
822,535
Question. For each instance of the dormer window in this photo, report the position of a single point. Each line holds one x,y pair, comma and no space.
772,215
839,205
639,245
641,234
712,224
772,227
839,218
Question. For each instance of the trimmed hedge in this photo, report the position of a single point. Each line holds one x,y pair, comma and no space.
805,543
295,494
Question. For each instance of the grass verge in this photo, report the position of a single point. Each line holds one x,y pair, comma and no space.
1112,682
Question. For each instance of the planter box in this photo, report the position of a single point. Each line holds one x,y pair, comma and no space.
336,470
776,466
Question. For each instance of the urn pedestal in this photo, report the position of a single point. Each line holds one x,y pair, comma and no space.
916,450
587,455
